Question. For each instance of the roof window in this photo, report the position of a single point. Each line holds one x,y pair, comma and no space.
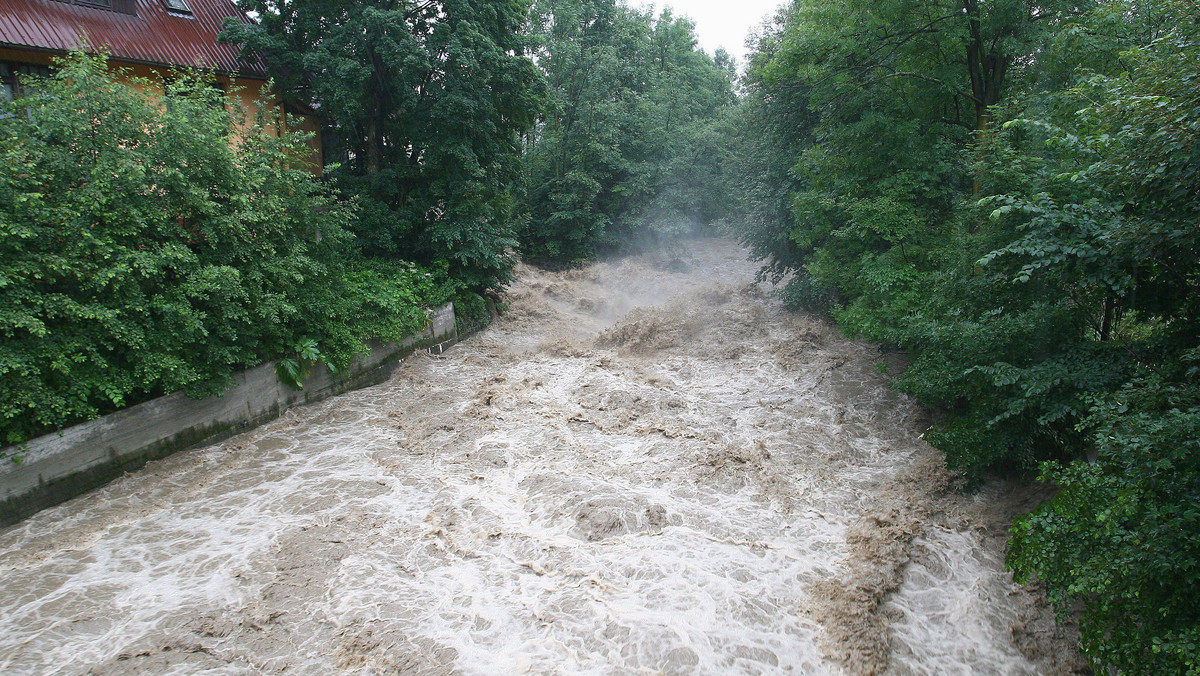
177,6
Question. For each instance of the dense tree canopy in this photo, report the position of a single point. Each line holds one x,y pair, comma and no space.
621,123
145,250
426,102
631,144
1008,191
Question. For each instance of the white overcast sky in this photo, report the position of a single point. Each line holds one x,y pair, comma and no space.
720,23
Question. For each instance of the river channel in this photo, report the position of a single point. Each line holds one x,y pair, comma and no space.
645,466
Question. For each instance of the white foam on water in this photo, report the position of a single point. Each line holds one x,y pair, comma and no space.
636,470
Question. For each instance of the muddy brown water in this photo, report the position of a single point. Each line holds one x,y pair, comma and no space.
644,467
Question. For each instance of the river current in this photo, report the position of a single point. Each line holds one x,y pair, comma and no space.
645,466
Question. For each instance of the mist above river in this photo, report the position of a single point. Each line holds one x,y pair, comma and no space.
644,466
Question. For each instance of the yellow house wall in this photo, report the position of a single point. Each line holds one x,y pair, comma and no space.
244,91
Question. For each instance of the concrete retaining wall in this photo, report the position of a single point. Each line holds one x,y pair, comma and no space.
59,466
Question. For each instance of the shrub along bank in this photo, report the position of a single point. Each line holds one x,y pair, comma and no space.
1009,191
148,247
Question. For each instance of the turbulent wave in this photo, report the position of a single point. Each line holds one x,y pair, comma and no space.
642,467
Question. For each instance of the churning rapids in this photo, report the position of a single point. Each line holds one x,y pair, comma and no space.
644,467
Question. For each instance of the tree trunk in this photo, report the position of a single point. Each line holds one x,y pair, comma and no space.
374,115
985,66
1106,322
374,159
986,69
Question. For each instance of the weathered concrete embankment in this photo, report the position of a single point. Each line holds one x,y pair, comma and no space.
57,467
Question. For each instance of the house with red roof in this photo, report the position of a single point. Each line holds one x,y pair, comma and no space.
147,37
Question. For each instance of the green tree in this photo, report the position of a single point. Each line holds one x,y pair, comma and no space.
634,141
427,102
146,250
873,112
1122,538
1008,191
774,121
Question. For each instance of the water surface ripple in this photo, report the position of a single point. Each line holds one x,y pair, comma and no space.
645,467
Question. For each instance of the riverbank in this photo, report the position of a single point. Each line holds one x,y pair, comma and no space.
645,465
56,467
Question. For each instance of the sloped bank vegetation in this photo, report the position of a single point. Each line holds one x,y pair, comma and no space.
154,246
149,247
1009,192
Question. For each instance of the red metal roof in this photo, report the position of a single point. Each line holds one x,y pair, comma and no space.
151,35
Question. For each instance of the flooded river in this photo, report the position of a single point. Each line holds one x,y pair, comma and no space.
644,467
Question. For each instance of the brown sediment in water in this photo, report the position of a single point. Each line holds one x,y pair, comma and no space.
850,606
641,467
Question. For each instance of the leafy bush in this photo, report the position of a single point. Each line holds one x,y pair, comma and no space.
146,249
426,104
1038,256
1122,537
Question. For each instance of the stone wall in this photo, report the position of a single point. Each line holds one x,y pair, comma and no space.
59,466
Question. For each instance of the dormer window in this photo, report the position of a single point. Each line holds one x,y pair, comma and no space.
177,7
